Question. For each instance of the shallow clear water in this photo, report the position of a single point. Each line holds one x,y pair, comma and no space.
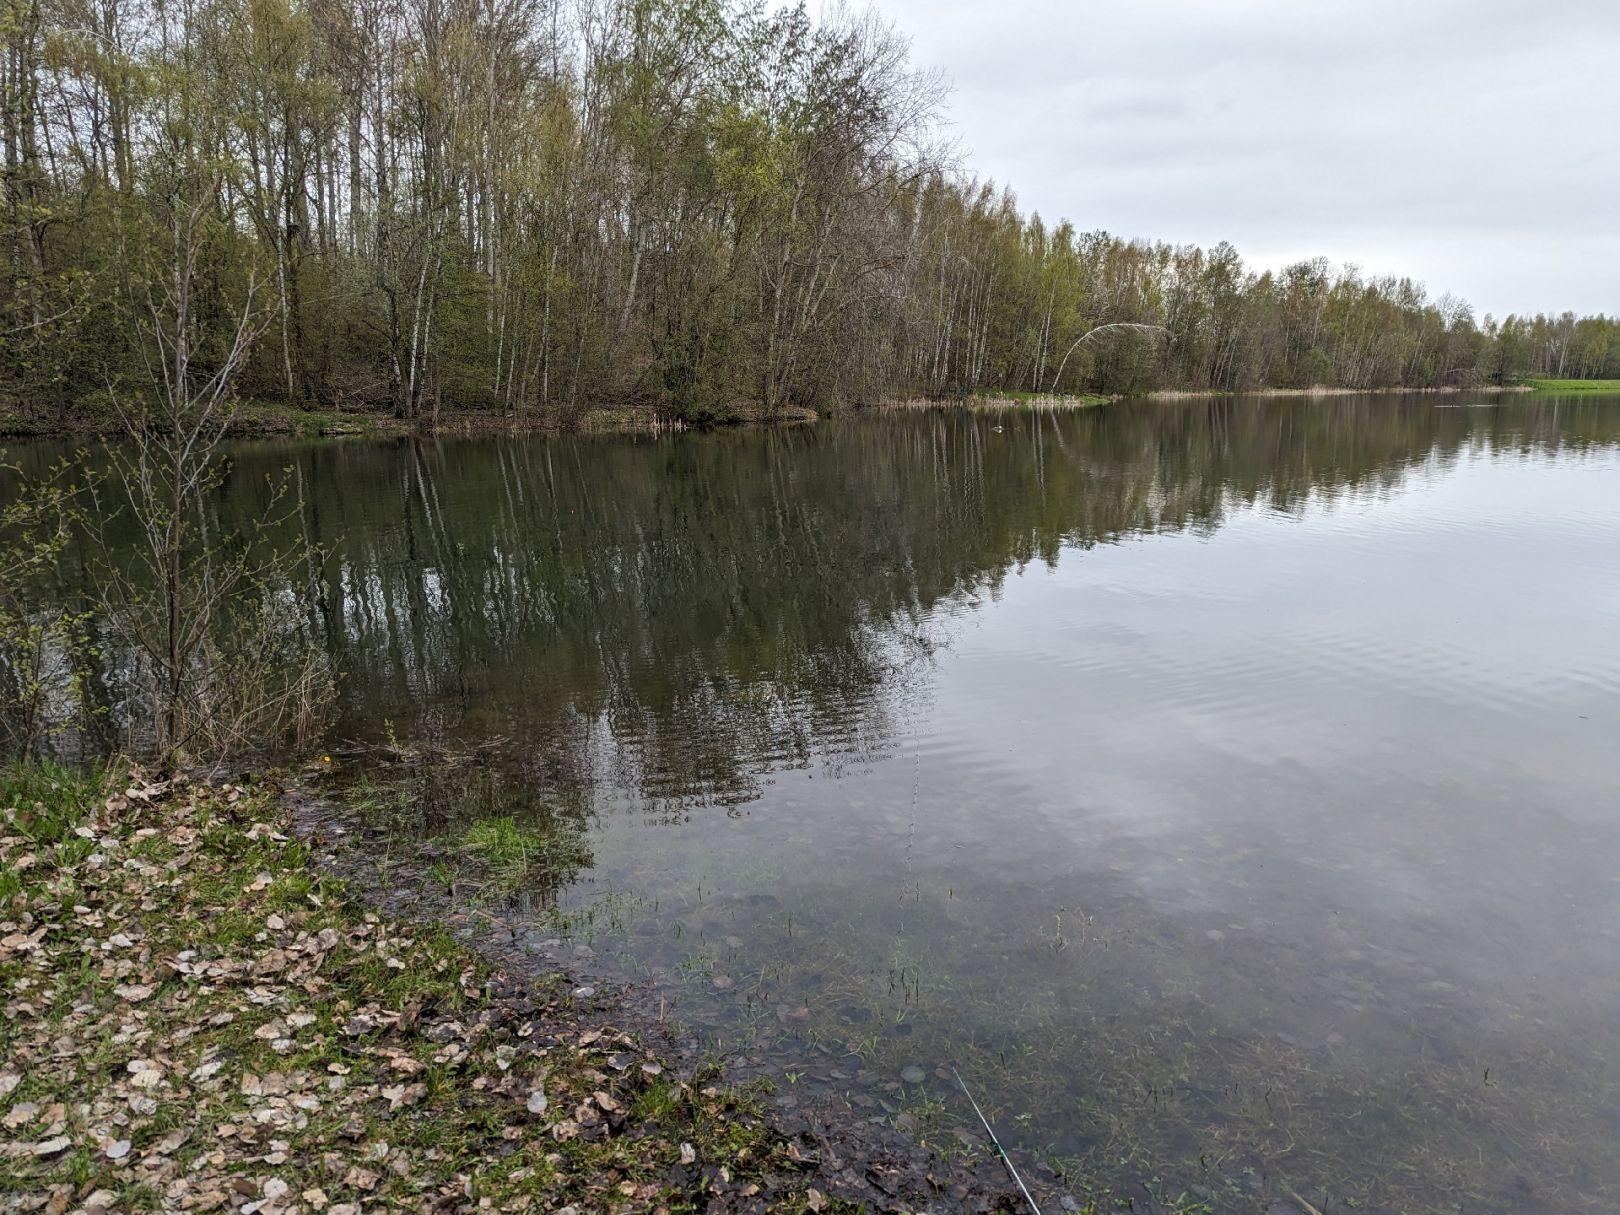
1228,788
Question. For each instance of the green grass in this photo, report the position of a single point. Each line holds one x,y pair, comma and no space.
1564,386
96,414
278,418
48,798
492,856
512,850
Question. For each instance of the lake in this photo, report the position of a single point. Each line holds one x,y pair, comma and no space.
1229,788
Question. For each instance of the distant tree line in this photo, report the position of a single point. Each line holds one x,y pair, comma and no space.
1011,297
541,208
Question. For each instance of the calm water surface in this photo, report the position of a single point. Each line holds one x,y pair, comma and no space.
1230,789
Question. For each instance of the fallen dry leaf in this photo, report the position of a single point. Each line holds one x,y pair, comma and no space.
20,1115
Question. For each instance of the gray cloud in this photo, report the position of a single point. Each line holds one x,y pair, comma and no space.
1472,145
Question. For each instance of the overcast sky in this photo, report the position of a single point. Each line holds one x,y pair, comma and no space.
1471,144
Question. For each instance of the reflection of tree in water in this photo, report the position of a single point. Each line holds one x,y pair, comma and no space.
683,615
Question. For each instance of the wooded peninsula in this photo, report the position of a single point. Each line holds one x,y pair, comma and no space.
530,210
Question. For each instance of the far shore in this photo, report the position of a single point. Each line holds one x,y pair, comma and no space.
278,420
1323,390
1026,400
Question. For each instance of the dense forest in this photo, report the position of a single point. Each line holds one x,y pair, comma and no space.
538,209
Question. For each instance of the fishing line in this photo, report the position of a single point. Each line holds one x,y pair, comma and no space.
1000,1151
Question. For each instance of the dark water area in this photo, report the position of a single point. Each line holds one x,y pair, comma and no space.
1229,788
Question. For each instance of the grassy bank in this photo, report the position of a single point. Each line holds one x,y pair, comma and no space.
198,1019
254,419
1567,386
